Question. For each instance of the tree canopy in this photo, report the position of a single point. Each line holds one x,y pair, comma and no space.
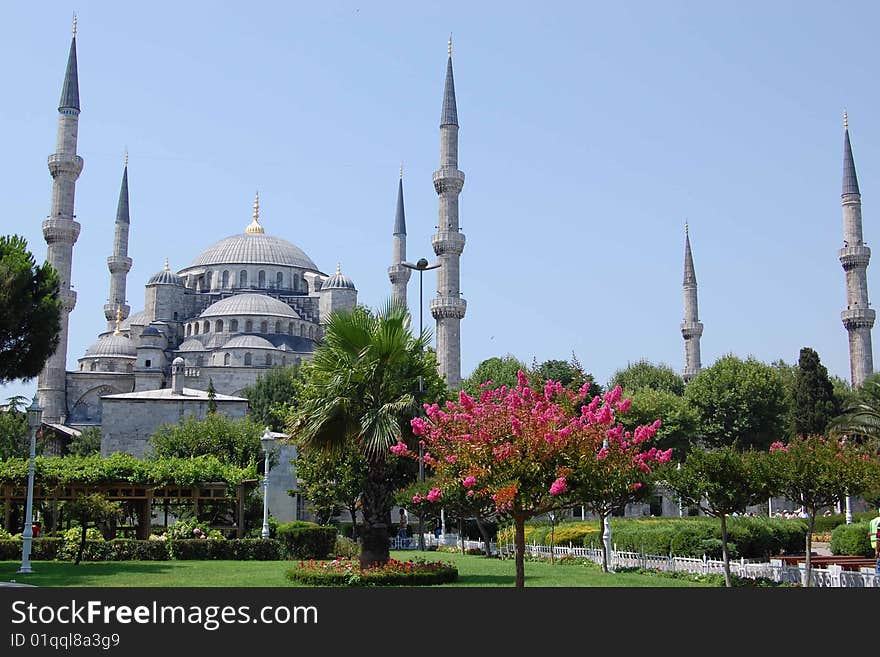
30,320
813,401
234,441
645,374
501,371
274,396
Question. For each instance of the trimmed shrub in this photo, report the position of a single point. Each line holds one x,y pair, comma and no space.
851,540
347,548
343,572
306,540
244,549
128,549
42,549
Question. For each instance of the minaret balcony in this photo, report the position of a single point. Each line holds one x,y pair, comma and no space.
448,307
854,257
68,299
61,230
691,329
399,274
448,179
448,242
854,318
63,163
118,264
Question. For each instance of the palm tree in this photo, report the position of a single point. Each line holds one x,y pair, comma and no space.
861,416
361,390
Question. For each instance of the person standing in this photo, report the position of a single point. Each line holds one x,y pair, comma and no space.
874,537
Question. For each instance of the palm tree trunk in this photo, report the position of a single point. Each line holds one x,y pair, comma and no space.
376,509
725,554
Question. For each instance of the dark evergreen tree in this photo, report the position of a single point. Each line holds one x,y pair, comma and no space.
813,402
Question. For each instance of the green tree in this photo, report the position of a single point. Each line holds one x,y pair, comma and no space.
678,420
813,401
361,389
720,482
500,371
738,402
30,320
274,396
233,441
87,443
91,510
645,374
14,434
571,374
331,482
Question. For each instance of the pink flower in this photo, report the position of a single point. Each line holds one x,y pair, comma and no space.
419,426
417,499
451,459
197,531
521,379
613,395
400,449
434,494
469,482
558,487
470,493
778,446
623,406
602,455
636,486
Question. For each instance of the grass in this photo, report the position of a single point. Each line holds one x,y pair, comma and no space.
473,571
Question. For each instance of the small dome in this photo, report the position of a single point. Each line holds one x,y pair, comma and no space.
178,361
248,342
166,277
338,281
191,345
250,304
112,346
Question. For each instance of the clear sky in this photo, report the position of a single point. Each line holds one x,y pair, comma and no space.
590,132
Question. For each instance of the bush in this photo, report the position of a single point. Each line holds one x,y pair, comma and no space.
306,540
851,540
187,529
42,549
96,548
128,549
243,549
343,572
347,548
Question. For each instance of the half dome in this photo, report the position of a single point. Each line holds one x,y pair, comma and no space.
250,304
248,342
191,345
112,346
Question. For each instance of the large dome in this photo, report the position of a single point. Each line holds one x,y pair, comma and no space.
254,249
112,346
249,304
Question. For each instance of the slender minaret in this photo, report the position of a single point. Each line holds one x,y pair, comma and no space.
61,231
119,263
399,274
448,308
691,327
858,318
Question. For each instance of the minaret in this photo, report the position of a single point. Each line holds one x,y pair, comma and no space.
61,231
119,263
858,318
691,327
448,308
399,274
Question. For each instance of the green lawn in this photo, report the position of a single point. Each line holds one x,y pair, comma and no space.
473,571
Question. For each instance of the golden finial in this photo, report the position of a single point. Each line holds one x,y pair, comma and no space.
74,25
401,169
167,268
125,157
338,268
118,319
449,45
845,120
255,227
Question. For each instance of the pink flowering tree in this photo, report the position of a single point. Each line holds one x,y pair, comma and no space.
520,448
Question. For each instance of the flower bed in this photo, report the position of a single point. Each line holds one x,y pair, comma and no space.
346,572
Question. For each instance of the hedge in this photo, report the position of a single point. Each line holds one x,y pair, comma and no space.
243,549
126,549
306,540
851,540
394,573
42,549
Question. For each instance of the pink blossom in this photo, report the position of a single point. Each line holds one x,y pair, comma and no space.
602,455
636,486
470,493
605,415
400,449
417,499
558,487
433,494
469,481
623,405
467,402
419,426
521,379
451,459
614,394
778,446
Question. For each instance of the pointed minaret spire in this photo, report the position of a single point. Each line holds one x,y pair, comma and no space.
399,274
449,115
691,326
61,230
119,263
858,318
255,227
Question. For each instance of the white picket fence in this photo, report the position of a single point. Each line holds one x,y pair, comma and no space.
775,569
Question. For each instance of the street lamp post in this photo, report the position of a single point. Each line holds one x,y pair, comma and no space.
267,441
34,417
421,266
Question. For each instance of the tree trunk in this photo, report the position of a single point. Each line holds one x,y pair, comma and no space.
520,545
485,534
354,523
602,541
376,509
807,564
725,554
82,544
461,533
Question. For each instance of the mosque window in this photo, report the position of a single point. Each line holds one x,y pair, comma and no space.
233,325
242,278
111,366
80,367
175,316
289,328
207,280
302,330
188,330
207,327
248,326
226,359
247,360
225,280
264,326
279,280
278,327
268,360
147,363
284,360
218,327
261,279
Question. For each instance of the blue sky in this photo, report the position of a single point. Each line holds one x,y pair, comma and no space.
589,133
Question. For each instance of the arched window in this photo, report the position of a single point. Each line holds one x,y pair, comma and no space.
189,330
284,361
268,360
290,328
218,326
226,359
111,366
261,279
278,327
195,330
207,327
242,278
208,280
233,325
248,326
264,326
302,330
279,280
80,367
225,280
296,283
247,360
